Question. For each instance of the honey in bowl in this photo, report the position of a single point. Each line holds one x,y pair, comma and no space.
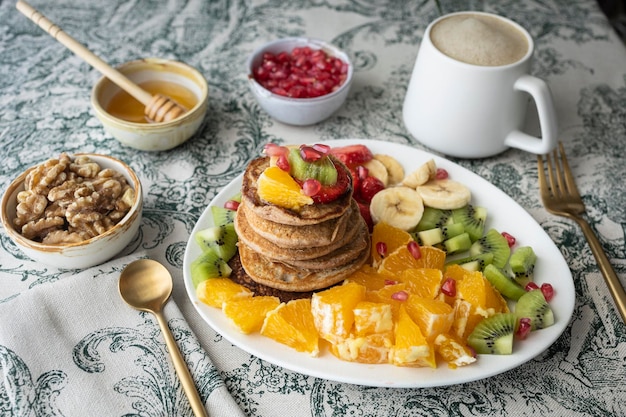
125,107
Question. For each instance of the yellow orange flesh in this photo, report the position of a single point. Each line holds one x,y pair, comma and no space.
248,313
292,324
276,186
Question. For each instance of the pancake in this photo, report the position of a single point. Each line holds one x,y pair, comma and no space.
286,236
271,250
308,215
288,278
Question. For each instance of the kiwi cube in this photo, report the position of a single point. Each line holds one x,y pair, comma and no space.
458,243
208,265
506,285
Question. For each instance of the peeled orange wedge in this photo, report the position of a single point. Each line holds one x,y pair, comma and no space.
292,324
276,186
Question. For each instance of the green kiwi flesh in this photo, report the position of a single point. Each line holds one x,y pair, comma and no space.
472,218
222,239
322,170
534,306
522,263
473,263
433,218
222,216
458,243
495,243
208,265
494,335
506,285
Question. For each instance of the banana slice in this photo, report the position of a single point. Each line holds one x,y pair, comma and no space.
401,207
444,194
421,175
395,171
378,170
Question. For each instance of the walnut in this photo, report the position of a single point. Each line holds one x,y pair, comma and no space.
67,201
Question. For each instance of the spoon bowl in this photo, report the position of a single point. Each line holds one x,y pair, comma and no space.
146,285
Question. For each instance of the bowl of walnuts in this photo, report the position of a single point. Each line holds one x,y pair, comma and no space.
74,211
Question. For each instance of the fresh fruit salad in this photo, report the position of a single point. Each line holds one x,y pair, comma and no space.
437,285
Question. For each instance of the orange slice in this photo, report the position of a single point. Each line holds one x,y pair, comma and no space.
276,186
401,259
422,282
332,310
373,348
248,313
391,236
432,316
372,318
411,347
453,350
292,324
368,277
388,295
479,292
215,291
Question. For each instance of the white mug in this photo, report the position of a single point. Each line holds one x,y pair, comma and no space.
473,109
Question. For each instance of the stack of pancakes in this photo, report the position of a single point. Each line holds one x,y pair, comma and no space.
298,252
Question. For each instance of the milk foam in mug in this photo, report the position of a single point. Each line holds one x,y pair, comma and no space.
470,86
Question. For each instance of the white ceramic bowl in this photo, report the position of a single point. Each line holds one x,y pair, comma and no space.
153,136
87,253
298,111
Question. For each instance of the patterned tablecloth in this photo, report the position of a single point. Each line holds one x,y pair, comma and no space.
45,110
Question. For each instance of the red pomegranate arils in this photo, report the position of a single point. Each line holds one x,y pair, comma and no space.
272,149
390,282
283,163
414,249
231,205
548,291
449,287
311,187
321,148
381,249
309,154
400,296
441,174
509,239
531,286
523,329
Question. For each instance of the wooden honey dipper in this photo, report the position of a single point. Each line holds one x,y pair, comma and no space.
159,108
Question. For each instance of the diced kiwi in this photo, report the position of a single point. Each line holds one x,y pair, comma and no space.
458,243
433,218
506,285
322,170
495,243
494,335
472,218
534,306
473,263
208,265
432,237
522,263
222,216
222,239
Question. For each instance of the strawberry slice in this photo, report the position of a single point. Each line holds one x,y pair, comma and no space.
329,193
352,155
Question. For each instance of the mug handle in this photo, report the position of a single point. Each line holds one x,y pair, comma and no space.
540,92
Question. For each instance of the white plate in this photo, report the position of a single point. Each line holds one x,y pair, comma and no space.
503,214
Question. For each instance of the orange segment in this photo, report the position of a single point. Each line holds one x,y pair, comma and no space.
368,277
411,347
278,187
248,313
453,350
373,348
332,310
401,259
215,291
391,236
422,282
466,318
387,295
292,324
475,289
432,316
372,318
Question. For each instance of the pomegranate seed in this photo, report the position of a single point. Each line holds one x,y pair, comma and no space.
449,287
441,174
231,205
362,172
400,296
283,163
321,148
309,154
548,291
381,249
531,286
311,187
390,282
272,149
509,239
523,328
414,249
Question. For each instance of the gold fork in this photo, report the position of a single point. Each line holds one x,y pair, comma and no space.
560,196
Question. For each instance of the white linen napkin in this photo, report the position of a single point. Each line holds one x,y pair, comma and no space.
74,348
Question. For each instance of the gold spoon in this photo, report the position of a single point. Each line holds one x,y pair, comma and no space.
147,285
159,108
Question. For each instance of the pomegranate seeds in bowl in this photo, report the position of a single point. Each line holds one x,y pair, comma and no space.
299,81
